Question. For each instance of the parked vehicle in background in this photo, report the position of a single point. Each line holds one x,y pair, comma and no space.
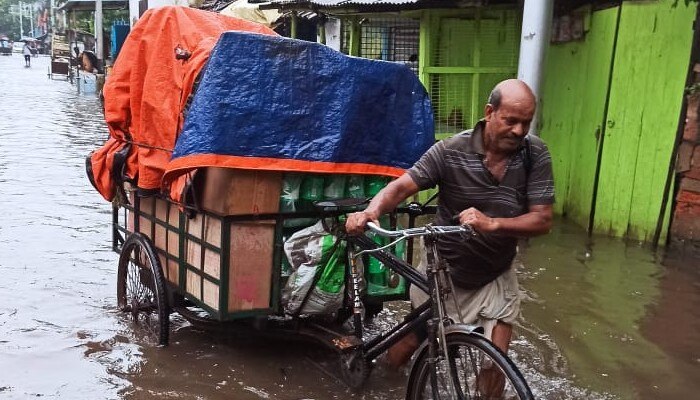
5,46
17,47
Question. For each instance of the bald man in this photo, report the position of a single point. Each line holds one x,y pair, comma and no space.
494,180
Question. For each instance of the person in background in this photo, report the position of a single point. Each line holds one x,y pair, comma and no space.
498,182
27,52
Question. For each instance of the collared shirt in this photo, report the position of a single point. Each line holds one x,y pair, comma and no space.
457,166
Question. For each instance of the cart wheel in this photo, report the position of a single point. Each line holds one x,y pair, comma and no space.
354,369
141,288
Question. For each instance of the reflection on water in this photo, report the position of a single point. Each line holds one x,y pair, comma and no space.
605,322
610,311
56,270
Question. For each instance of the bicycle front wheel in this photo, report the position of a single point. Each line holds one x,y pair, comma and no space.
474,368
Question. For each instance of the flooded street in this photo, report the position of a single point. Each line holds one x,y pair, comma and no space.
611,320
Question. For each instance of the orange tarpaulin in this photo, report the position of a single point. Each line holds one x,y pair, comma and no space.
148,89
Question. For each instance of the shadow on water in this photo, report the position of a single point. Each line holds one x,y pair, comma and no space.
606,322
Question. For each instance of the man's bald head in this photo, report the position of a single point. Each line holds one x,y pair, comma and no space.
508,115
513,90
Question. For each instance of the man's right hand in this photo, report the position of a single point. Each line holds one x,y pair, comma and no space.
357,222
386,200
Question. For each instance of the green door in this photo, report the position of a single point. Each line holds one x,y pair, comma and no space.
634,64
463,56
575,86
647,86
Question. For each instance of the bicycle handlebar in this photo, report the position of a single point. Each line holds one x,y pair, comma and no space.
421,231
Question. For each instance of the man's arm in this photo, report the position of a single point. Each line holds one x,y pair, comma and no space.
386,200
537,221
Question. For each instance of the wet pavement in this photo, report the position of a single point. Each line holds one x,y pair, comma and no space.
606,320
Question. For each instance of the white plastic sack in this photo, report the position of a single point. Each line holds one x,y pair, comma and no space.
313,251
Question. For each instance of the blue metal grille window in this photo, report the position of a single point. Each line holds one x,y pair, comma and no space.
388,39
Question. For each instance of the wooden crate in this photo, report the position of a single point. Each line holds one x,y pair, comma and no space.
159,220
223,265
235,277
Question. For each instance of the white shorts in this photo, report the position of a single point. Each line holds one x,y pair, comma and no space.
498,300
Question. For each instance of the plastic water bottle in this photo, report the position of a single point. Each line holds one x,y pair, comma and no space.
355,187
376,269
373,184
311,190
334,187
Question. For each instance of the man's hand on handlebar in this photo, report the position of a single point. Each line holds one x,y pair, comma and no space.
357,222
477,220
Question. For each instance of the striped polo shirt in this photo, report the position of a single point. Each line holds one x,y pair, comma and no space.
456,166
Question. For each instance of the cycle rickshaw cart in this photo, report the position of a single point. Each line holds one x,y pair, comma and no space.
263,107
449,365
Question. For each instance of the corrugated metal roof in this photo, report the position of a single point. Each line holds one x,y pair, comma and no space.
89,5
357,4
370,5
344,3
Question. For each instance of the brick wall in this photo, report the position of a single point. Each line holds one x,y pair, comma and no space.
686,214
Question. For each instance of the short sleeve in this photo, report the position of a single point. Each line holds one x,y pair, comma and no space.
540,183
428,171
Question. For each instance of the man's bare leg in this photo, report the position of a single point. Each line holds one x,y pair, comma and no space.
399,354
501,334
491,379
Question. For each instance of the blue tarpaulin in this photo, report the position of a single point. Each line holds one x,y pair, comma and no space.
268,102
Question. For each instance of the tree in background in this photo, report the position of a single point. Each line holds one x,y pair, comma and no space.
85,20
9,24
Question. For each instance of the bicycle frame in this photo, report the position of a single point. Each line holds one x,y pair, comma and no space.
420,316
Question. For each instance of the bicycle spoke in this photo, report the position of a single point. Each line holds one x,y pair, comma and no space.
473,369
141,289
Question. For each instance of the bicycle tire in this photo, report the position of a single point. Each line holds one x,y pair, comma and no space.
483,356
141,288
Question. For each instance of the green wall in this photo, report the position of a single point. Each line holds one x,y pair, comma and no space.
650,68
575,85
645,95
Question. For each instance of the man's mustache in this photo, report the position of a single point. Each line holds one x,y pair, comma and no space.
514,137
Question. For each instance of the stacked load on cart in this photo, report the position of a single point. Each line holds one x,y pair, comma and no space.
271,126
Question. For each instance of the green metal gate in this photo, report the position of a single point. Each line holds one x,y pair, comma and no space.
380,37
462,57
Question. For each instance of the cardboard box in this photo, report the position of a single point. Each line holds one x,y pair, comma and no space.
172,271
194,284
250,266
250,270
227,191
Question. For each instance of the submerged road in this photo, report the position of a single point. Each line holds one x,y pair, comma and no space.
609,321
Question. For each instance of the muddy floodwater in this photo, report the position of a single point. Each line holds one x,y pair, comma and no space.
605,320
